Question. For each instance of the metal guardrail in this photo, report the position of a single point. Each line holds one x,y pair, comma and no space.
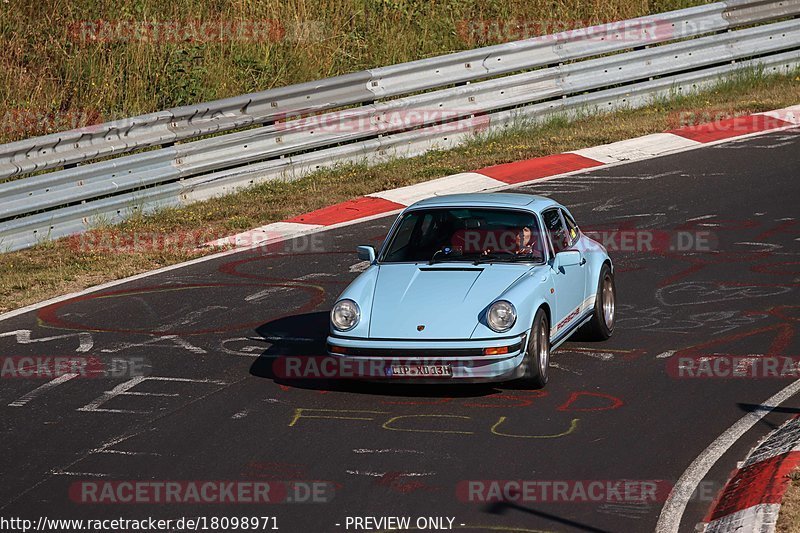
530,79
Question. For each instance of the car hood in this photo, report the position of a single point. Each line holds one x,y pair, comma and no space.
448,300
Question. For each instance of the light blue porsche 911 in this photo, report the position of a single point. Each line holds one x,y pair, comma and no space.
474,287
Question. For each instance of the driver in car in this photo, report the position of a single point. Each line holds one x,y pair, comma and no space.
525,242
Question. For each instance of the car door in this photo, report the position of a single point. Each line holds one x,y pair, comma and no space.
576,243
569,279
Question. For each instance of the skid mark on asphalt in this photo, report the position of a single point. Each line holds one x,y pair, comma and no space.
370,473
124,389
266,293
387,450
106,447
23,336
59,472
189,318
156,342
27,397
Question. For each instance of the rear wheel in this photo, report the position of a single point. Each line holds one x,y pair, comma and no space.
601,326
537,359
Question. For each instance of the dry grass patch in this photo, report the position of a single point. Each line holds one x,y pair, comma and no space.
789,517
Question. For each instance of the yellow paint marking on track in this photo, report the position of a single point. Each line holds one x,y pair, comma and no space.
298,414
572,427
395,418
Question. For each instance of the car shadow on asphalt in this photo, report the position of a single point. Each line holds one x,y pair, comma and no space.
305,335
755,408
501,507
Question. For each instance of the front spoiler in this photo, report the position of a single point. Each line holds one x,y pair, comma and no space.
462,356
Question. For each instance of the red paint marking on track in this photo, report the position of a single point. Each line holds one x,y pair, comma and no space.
539,167
785,227
732,127
782,312
699,263
362,207
683,274
615,403
763,482
767,268
400,482
783,334
506,400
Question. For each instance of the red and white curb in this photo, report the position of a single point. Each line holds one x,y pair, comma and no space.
752,497
515,174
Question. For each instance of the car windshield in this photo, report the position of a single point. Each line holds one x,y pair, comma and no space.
465,234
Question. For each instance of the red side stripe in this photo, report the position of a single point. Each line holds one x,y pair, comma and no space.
539,167
364,206
732,127
762,482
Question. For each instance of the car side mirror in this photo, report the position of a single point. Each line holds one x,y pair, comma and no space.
568,258
366,253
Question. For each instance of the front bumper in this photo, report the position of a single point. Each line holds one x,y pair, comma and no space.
465,357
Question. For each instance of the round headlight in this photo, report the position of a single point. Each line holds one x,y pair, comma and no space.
345,315
501,316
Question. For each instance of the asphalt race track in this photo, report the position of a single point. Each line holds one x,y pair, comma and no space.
210,407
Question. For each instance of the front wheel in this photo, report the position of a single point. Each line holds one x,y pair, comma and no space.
537,359
601,326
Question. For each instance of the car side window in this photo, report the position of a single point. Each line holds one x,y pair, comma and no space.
572,227
402,237
555,229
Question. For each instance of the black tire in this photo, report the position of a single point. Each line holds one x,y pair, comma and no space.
537,357
601,326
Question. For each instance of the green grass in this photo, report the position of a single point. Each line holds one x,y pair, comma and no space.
53,79
63,266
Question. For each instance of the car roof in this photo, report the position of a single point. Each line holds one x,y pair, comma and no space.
530,202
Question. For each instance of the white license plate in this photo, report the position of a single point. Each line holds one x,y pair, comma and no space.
420,371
